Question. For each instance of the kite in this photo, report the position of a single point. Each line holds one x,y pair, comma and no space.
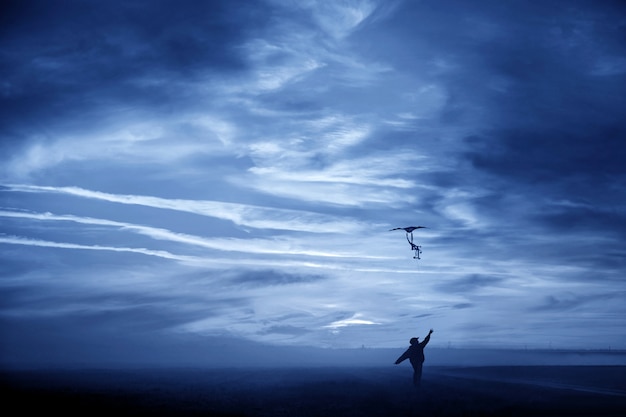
409,238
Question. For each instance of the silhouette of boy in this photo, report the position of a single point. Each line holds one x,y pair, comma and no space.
415,354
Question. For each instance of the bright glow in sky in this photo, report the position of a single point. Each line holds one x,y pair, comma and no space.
232,169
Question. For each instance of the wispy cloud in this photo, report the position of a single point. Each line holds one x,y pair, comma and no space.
277,246
341,18
240,214
16,240
355,320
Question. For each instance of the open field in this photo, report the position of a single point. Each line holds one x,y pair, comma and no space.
374,391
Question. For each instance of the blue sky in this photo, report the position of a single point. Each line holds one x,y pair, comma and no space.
231,169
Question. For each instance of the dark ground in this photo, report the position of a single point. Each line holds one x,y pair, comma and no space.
445,391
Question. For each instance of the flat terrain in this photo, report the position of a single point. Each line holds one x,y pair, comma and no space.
445,391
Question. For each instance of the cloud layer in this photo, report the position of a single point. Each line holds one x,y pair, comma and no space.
214,169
